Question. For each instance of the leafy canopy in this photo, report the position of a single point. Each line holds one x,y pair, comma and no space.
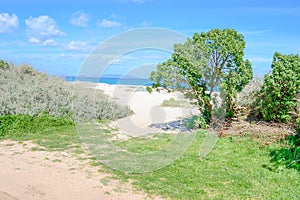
209,61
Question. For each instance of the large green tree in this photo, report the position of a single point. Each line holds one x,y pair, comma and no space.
208,61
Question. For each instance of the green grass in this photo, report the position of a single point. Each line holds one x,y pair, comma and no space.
237,168
171,103
145,144
51,133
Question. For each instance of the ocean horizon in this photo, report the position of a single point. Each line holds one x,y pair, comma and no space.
113,80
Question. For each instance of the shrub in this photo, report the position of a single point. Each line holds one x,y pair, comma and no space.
197,122
171,103
280,89
25,91
247,97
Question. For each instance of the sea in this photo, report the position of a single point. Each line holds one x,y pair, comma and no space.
112,80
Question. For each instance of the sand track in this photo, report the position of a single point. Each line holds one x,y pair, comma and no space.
40,175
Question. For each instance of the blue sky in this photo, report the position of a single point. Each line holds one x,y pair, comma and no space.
56,36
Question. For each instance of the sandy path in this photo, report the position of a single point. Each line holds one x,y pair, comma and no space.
42,175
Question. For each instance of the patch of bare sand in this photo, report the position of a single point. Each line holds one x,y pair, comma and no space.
147,108
40,175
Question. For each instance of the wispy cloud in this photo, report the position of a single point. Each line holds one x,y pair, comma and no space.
256,32
8,22
78,45
71,56
47,42
261,59
80,19
107,23
50,42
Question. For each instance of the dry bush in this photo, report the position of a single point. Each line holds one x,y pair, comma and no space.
23,90
247,97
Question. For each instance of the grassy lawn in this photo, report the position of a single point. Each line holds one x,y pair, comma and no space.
237,168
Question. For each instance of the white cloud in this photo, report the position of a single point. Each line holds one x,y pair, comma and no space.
47,42
106,23
42,27
50,42
76,56
77,45
80,19
34,40
8,22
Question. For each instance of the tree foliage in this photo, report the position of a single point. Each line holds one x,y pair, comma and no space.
208,61
281,88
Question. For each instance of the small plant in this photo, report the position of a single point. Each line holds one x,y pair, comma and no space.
171,103
197,122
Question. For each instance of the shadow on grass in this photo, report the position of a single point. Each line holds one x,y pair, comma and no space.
289,154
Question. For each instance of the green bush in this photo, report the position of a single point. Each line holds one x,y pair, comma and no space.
280,89
289,155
